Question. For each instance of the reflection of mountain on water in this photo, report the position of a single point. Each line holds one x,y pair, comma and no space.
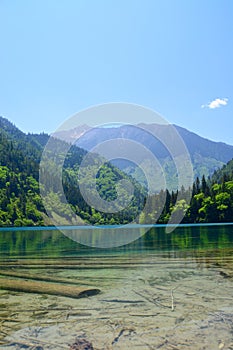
186,240
107,236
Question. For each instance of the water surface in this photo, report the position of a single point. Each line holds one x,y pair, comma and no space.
159,291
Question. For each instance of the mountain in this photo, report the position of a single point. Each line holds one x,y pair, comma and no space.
206,156
22,205
197,144
223,174
20,200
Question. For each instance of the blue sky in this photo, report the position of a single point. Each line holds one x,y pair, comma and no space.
174,56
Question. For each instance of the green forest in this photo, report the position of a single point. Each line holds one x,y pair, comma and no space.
211,201
21,203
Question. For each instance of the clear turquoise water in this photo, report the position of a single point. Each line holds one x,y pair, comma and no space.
50,242
191,261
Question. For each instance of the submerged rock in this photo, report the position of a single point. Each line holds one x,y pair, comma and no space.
81,344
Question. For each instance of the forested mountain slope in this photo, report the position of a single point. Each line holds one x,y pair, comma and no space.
20,201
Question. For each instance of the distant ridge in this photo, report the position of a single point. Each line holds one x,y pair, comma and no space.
207,156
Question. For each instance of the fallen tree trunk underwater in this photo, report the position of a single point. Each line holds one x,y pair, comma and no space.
18,285
42,278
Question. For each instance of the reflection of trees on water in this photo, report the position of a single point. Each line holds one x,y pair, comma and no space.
184,241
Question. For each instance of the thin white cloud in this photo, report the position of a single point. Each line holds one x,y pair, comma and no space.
218,102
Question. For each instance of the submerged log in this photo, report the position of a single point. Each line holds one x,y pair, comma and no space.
18,285
42,277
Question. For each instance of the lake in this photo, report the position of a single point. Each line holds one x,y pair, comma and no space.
167,291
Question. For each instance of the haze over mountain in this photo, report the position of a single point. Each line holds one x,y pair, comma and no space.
206,155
